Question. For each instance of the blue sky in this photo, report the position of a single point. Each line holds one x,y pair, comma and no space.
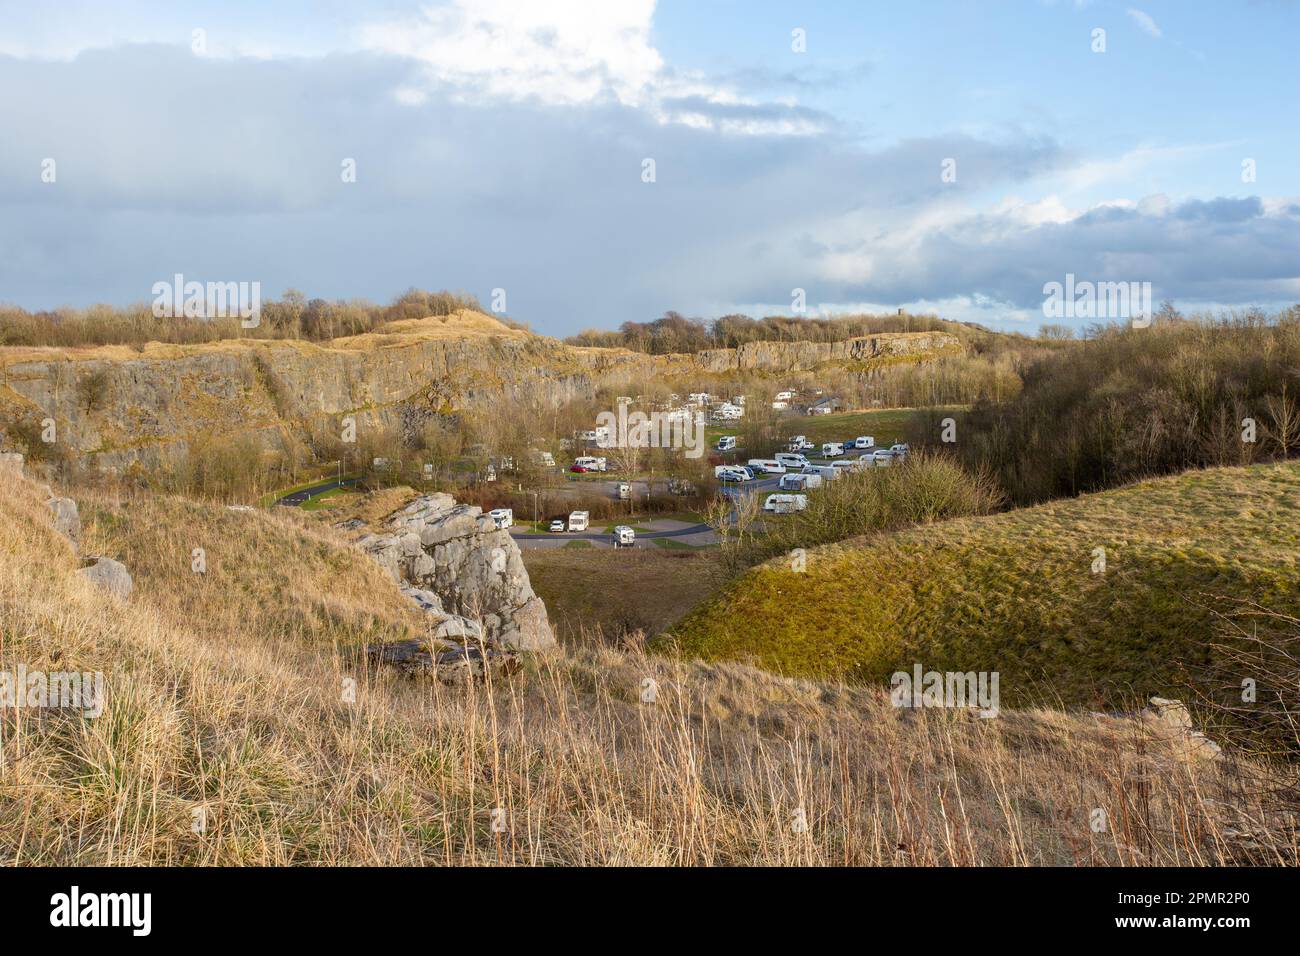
500,144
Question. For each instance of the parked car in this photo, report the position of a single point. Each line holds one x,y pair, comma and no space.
767,466
623,536
502,517
557,524
733,473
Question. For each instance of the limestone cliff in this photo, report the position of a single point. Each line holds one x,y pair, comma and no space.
117,404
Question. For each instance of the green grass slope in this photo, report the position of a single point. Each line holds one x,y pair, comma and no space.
1016,592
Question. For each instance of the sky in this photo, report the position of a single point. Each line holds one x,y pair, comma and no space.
608,161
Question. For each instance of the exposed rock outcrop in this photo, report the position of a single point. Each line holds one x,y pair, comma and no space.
1171,720
67,521
110,575
462,570
115,405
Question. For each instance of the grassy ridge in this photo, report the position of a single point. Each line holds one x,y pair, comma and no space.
1016,592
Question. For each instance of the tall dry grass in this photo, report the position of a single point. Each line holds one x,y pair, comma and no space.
228,694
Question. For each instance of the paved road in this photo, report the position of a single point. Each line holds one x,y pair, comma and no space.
298,497
604,535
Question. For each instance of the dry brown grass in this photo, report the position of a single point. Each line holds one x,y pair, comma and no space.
225,693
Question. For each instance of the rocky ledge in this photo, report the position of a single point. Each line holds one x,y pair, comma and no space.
465,574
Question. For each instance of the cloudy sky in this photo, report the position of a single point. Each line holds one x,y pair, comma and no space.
503,144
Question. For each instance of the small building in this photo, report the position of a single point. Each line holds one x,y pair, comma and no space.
824,406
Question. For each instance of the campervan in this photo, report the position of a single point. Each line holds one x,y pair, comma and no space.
589,463
768,466
578,520
825,472
864,441
624,491
832,449
726,443
791,459
785,504
732,473
623,536
502,517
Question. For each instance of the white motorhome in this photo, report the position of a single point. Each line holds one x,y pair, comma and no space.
726,443
864,441
578,520
882,458
848,465
899,450
784,395
791,459
768,466
732,473
502,517
801,443
589,463
544,458
624,491
832,449
826,472
623,536
785,504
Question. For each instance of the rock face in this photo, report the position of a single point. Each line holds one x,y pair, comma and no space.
110,575
117,407
461,570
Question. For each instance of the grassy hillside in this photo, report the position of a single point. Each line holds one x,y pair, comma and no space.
1016,593
225,696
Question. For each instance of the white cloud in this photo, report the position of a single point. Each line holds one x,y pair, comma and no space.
562,52
1144,20
569,53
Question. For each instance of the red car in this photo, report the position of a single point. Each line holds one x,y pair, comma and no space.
581,468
